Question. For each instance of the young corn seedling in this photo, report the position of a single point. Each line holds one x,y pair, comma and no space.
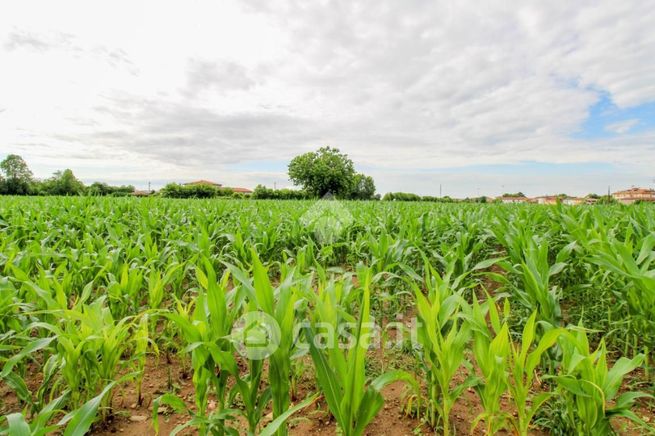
492,349
89,349
443,336
524,360
142,342
205,328
280,304
535,291
125,294
590,387
75,423
157,284
636,265
341,372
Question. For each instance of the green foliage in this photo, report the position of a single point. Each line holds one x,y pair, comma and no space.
101,189
589,388
328,171
632,261
491,348
174,190
91,288
17,175
524,362
443,337
63,183
363,188
408,196
340,371
400,196
261,192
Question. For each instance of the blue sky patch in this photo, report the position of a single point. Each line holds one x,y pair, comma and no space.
606,120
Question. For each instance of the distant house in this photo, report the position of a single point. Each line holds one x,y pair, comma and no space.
142,193
546,199
240,190
573,201
632,195
512,199
218,185
204,182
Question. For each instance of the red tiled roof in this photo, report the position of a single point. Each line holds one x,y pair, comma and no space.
636,191
203,182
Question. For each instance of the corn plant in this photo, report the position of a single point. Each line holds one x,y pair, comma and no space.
633,261
125,293
205,325
88,351
14,367
492,351
341,374
443,336
74,423
535,291
524,361
157,283
142,343
207,332
279,303
589,386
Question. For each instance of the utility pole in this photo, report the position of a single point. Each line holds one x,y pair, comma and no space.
439,190
149,187
274,186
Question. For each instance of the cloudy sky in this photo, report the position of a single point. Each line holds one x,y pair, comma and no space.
478,97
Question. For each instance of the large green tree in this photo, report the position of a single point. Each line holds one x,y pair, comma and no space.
363,187
64,183
17,175
326,171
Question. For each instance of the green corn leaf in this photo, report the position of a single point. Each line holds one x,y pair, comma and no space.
30,348
17,425
172,400
273,427
615,375
80,420
327,378
370,406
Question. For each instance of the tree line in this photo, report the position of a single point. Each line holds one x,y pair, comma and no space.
200,190
326,172
16,178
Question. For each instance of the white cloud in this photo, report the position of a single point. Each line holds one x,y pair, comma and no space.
163,90
622,126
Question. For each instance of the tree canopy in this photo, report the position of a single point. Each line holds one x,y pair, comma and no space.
363,187
17,175
328,171
16,179
64,183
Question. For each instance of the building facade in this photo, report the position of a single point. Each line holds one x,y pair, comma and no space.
633,195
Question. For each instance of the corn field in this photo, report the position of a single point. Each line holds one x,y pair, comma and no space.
535,319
